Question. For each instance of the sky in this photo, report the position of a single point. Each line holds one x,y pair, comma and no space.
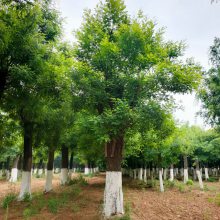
196,22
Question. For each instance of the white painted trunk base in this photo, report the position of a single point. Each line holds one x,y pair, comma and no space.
206,173
48,184
25,184
113,195
40,172
186,176
171,175
1,173
161,180
198,173
64,176
14,175
86,171
165,174
145,175
140,173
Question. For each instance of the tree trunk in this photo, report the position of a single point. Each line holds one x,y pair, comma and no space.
161,180
198,173
64,169
27,161
140,173
145,175
113,195
206,173
86,169
14,170
49,176
171,173
40,168
165,174
186,177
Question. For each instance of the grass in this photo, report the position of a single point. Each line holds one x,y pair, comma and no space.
8,199
80,180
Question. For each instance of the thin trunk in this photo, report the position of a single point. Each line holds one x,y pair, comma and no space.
14,170
64,169
161,180
49,176
140,173
186,177
206,173
113,195
171,173
198,173
27,161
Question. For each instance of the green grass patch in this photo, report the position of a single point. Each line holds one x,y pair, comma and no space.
7,200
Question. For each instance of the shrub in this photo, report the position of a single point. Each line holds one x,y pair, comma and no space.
28,212
189,182
213,179
8,199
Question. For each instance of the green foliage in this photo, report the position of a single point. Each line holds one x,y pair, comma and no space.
53,205
213,179
27,197
7,200
28,212
80,180
189,182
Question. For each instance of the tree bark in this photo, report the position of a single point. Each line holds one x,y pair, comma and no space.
113,195
27,161
14,170
186,177
64,169
171,173
198,173
48,184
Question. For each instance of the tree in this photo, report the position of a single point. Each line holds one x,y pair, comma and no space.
33,30
122,66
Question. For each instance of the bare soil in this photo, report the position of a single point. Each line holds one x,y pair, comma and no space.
185,202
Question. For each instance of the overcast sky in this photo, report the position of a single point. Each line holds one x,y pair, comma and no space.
196,22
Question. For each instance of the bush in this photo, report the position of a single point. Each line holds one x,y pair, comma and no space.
213,179
189,182
8,200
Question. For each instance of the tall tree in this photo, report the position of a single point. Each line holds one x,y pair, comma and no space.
123,65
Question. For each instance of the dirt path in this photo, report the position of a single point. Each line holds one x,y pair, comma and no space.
145,204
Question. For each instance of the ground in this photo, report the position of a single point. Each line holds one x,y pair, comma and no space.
82,200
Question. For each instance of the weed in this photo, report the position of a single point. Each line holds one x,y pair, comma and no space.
8,200
27,197
75,191
28,212
80,180
53,205
169,184
189,182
